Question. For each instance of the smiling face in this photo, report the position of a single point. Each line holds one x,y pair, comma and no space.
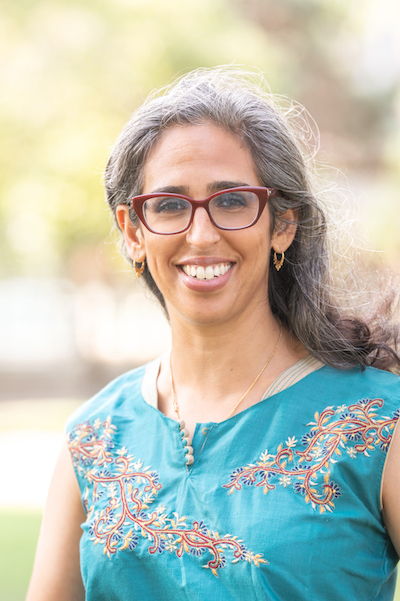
206,275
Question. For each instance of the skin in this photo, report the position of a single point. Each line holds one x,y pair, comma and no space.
56,572
196,160
391,491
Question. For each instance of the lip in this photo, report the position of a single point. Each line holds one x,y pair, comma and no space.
204,285
205,261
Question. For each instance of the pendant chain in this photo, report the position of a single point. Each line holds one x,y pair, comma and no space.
175,402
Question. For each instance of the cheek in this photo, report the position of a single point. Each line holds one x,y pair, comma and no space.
261,253
259,239
159,252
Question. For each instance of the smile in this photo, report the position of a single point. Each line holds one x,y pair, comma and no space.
206,273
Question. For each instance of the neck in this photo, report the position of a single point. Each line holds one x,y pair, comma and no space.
214,366
214,351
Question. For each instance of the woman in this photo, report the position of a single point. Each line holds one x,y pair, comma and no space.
255,449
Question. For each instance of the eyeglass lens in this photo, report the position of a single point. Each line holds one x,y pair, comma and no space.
232,210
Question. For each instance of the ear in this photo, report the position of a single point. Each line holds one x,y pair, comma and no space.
285,231
133,235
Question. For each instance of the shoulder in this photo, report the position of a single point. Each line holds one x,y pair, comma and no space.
357,383
330,389
117,398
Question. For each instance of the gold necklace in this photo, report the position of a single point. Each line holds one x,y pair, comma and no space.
175,402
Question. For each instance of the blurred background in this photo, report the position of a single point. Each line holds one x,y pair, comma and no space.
72,316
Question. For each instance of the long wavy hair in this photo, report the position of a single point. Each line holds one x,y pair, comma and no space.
303,294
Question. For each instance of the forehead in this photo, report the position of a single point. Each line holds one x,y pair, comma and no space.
193,154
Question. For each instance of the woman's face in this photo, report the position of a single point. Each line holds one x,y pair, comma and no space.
196,160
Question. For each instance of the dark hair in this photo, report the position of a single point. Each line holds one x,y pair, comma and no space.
302,294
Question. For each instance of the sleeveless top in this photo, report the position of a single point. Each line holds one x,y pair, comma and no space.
282,501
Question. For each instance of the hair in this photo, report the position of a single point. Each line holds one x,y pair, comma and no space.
303,294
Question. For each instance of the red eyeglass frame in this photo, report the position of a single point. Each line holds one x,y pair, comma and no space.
263,194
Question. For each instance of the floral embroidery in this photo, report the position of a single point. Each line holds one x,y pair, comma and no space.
128,489
352,428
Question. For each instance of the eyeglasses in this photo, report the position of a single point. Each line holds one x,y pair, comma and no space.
232,209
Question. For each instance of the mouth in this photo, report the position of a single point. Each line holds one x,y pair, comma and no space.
210,272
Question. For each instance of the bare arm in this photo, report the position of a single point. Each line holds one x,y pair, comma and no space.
56,572
391,491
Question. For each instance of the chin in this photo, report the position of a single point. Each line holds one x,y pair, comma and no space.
202,314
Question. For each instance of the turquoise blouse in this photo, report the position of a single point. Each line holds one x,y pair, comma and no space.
282,501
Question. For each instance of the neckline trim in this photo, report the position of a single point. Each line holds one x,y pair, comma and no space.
293,374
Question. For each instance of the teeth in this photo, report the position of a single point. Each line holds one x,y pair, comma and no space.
201,274
208,273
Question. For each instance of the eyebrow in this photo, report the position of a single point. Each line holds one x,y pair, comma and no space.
225,185
211,188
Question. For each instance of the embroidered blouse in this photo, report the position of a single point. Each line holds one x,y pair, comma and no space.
282,501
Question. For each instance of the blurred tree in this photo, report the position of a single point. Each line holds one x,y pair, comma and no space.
72,73
342,61
338,67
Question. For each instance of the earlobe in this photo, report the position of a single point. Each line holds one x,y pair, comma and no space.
133,235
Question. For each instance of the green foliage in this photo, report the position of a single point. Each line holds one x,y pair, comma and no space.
73,72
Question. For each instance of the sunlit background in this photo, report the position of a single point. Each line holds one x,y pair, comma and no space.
72,315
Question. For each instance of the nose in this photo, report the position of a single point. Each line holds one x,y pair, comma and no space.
202,233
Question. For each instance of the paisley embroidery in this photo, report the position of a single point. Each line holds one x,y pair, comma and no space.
353,429
126,489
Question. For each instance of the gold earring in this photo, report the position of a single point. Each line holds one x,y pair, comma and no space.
278,262
139,270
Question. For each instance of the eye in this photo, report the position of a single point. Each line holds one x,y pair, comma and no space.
167,206
231,200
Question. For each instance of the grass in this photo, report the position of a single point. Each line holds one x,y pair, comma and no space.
47,414
19,532
19,528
